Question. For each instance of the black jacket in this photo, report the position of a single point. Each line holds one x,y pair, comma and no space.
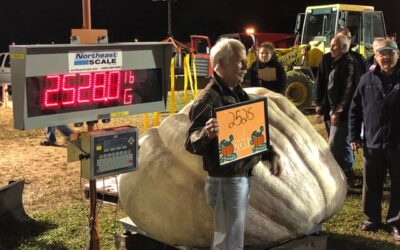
277,86
322,79
341,86
214,95
321,96
361,64
376,105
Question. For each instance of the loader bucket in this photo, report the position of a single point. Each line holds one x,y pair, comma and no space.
11,207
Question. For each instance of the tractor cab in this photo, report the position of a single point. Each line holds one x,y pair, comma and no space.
322,22
315,30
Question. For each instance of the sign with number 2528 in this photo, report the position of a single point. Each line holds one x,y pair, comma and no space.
243,130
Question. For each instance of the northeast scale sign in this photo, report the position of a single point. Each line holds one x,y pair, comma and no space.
94,60
243,130
69,83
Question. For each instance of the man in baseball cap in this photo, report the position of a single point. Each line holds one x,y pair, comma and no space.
376,108
387,44
386,56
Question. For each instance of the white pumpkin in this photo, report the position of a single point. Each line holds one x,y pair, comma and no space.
165,197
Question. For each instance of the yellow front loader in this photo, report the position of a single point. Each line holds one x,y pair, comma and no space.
315,29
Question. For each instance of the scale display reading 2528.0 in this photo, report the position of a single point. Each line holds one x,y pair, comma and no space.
63,84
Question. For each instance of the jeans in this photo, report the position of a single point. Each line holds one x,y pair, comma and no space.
340,147
51,133
228,197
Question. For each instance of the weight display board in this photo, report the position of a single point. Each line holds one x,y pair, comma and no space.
70,83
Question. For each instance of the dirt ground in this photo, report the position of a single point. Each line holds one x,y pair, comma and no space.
50,182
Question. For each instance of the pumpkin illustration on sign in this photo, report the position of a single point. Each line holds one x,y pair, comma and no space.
258,140
226,150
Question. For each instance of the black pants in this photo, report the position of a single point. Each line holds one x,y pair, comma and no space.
376,164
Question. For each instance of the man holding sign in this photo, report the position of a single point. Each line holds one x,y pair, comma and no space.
227,186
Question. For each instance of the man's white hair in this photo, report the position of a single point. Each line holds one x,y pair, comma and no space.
223,51
344,41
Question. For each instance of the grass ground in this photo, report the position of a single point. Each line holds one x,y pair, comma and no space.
343,229
64,225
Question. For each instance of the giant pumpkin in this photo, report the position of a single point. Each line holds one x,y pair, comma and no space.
165,197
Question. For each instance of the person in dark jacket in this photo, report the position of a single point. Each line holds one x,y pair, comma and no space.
340,90
322,108
227,187
266,72
376,108
321,99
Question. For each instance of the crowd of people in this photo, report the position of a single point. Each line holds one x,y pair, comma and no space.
358,100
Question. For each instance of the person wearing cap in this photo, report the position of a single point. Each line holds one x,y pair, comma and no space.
376,107
371,60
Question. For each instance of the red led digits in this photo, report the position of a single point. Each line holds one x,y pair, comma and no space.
85,84
70,90
114,85
99,87
51,91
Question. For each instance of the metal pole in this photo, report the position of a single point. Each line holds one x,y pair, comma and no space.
93,222
86,11
169,19
94,242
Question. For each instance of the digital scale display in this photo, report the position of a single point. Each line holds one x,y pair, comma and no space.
115,144
111,151
63,93
59,84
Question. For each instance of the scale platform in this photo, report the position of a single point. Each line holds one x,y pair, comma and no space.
135,239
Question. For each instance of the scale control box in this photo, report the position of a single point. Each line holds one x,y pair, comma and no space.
107,152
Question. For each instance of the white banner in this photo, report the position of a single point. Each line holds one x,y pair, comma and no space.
94,61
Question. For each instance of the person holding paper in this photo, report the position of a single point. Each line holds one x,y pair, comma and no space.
266,72
227,186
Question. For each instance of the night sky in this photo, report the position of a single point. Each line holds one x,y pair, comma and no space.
46,21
